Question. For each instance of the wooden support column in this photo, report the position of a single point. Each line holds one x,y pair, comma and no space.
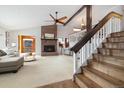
88,17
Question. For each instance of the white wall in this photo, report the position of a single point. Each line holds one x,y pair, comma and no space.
98,12
2,38
32,32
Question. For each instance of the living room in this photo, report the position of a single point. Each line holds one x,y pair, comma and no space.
27,31
28,34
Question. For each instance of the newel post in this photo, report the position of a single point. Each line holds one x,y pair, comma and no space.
74,60
74,65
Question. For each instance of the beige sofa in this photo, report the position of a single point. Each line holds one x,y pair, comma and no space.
10,64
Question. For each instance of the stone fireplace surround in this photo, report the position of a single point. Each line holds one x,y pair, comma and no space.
51,29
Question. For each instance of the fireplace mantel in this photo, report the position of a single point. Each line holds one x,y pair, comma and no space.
49,39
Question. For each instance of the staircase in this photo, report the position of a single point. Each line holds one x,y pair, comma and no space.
106,68
99,55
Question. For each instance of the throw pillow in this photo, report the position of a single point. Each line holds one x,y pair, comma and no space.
0,54
3,53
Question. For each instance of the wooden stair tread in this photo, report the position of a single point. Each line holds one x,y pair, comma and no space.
114,60
110,69
113,42
117,57
108,65
111,48
117,33
111,52
87,81
113,80
113,45
115,37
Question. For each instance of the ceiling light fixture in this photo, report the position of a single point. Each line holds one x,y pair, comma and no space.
76,29
81,28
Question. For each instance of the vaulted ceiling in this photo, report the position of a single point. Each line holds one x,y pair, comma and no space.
21,17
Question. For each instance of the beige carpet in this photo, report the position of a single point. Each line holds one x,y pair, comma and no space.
62,84
44,71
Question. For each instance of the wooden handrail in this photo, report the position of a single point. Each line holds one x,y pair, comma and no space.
97,28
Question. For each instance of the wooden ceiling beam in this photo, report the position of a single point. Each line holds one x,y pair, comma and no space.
84,6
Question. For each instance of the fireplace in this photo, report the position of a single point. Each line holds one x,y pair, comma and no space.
49,40
49,48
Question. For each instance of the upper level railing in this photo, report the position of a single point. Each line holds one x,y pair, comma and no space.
76,37
84,49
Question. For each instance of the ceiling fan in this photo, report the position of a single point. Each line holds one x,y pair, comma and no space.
58,20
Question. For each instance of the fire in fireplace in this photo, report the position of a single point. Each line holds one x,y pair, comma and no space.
49,48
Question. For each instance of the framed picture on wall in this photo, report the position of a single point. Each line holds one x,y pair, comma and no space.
49,36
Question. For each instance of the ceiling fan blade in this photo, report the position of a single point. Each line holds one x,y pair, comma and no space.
62,18
53,17
49,20
60,22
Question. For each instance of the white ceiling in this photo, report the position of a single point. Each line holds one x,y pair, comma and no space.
28,16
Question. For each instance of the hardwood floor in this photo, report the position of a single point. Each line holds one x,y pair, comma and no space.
62,84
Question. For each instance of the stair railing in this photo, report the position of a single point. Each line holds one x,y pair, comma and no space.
88,45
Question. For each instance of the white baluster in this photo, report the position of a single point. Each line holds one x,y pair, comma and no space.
103,34
100,34
114,25
89,48
95,41
97,38
110,27
84,53
81,56
107,30
119,25
75,63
